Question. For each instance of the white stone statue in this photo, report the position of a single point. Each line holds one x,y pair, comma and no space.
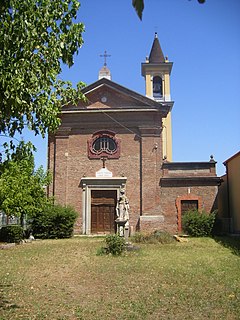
122,208
122,211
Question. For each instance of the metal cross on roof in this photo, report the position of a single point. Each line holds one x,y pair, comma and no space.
105,55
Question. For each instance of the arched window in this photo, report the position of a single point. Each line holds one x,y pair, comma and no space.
104,144
157,87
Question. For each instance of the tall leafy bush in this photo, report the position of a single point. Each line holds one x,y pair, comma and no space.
11,233
55,221
198,224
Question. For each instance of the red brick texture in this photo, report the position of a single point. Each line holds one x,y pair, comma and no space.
152,194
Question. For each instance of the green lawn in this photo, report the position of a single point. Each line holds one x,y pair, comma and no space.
65,279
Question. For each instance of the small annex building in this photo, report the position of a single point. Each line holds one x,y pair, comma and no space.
228,196
117,139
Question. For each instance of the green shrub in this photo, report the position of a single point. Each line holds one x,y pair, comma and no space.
55,222
11,233
163,237
139,237
198,224
158,236
115,244
101,251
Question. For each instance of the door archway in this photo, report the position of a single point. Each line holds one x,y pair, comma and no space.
185,203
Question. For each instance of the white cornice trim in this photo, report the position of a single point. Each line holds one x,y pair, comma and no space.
112,110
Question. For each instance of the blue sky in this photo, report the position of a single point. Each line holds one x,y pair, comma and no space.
202,41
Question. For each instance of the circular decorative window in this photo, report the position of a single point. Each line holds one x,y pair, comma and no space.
104,99
104,144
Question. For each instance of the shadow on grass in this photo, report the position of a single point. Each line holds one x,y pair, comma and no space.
230,242
4,303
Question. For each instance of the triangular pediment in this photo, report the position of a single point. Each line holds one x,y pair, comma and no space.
105,94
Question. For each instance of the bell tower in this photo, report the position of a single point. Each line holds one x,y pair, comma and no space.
156,70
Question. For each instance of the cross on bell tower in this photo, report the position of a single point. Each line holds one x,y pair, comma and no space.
105,55
104,71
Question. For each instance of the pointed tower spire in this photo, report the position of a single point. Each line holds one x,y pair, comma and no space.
156,54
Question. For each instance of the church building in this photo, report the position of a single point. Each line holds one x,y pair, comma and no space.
119,139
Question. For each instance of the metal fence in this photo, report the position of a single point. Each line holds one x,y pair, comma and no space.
6,220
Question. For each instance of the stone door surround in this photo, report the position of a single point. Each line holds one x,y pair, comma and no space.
96,183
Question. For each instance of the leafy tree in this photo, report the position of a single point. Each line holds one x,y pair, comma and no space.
36,36
21,151
22,188
139,6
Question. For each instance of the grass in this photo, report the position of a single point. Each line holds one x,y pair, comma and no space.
65,279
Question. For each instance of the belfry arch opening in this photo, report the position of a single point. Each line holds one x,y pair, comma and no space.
157,87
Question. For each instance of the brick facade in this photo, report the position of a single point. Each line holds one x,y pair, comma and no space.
154,188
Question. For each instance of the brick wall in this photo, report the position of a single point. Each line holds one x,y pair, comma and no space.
151,192
72,163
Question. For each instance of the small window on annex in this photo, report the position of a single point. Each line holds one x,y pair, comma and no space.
188,205
104,144
157,87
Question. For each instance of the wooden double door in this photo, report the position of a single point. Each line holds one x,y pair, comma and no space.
103,211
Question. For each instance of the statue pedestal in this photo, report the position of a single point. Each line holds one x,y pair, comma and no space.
122,228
